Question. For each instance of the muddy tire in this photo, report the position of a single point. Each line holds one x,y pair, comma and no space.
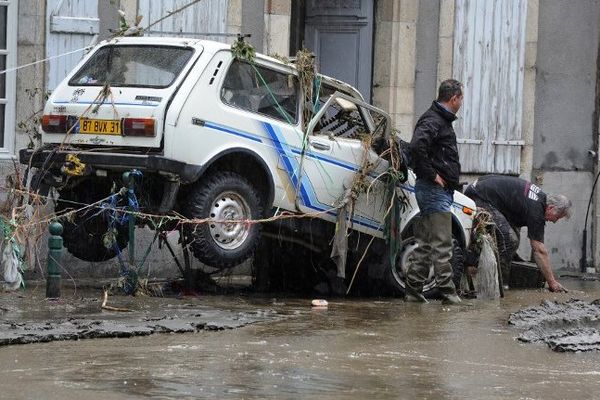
223,196
396,274
84,232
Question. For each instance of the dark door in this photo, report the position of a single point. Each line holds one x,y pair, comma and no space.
340,33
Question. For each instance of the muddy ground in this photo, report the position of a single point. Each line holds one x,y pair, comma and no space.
572,325
281,348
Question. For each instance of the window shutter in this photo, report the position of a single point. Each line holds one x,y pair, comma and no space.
73,25
489,46
199,20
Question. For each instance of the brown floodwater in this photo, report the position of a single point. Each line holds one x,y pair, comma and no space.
366,348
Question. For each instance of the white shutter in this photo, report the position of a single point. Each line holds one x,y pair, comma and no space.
489,46
71,25
199,20
8,81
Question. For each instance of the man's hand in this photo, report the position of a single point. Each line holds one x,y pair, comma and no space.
556,287
540,254
440,181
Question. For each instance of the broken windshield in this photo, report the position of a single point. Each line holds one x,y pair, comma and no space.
135,66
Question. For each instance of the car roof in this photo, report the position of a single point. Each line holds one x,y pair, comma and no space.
212,46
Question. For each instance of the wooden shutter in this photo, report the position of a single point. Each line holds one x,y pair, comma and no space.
199,20
72,25
489,46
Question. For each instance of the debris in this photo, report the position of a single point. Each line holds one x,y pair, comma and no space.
177,321
309,83
570,326
12,266
20,228
111,308
487,270
484,235
73,166
243,50
339,248
125,29
319,303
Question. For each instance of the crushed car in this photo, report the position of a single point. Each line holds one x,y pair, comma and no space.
225,142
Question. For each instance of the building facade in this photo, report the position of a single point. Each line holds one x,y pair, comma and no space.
530,70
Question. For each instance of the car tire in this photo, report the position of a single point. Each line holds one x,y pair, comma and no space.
83,231
221,196
397,273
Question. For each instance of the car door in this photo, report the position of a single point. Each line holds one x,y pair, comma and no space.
337,146
257,112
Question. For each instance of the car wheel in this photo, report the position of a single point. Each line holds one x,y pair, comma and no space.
223,196
397,273
84,232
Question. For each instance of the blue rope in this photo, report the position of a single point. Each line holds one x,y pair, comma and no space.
119,216
316,94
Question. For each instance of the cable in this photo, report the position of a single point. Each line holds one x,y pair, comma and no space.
44,60
583,259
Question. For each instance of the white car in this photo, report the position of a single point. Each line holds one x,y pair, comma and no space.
218,138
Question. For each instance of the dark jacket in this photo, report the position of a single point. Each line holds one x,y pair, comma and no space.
433,147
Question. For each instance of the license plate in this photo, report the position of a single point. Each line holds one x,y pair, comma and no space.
100,126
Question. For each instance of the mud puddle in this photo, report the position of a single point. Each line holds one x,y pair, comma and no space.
30,318
573,325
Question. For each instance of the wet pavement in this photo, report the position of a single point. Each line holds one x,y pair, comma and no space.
377,349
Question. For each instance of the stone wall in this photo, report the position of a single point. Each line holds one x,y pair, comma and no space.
30,80
276,39
394,61
565,101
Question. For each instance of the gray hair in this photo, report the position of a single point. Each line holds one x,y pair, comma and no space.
448,89
560,203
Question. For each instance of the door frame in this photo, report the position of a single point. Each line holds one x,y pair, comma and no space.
298,34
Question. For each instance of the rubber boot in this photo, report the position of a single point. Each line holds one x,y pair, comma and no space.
507,244
441,254
419,262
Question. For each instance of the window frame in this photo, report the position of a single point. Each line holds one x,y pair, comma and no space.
298,119
7,148
361,111
191,50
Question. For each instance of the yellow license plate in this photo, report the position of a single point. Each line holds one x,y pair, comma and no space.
100,126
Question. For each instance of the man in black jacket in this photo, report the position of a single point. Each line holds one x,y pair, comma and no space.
435,161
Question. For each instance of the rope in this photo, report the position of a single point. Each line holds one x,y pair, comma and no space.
44,60
280,109
162,218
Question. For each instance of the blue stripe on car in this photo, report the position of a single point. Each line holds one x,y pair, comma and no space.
233,131
307,193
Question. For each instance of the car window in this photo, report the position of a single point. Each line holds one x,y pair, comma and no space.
133,65
261,90
336,121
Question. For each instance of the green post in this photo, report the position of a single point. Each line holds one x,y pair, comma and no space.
129,180
55,245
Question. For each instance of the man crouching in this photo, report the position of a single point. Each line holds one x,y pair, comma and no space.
513,203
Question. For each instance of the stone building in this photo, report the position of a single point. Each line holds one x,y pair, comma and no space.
530,70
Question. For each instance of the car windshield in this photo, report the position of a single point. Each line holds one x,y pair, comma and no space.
137,66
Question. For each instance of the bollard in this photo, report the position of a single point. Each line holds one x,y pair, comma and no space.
129,181
55,245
